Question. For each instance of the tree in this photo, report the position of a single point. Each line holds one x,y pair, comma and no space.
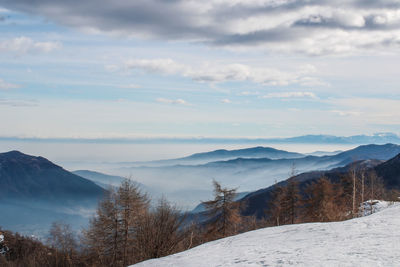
111,237
320,203
291,201
275,205
62,239
132,206
160,232
222,211
353,175
375,189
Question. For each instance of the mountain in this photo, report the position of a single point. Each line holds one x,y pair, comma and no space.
390,172
189,184
28,177
101,179
254,152
105,181
35,192
223,154
324,153
377,138
364,241
379,152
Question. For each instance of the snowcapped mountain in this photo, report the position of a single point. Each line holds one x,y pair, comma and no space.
367,241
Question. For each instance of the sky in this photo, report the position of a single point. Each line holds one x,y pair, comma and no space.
212,68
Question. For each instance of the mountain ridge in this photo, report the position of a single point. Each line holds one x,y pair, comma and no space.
30,177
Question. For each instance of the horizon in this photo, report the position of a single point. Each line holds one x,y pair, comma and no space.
100,154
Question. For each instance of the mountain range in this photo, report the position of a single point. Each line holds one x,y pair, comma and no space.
188,184
35,191
376,138
223,154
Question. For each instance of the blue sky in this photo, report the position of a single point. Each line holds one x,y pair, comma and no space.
215,68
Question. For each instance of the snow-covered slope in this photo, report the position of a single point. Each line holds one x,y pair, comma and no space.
368,241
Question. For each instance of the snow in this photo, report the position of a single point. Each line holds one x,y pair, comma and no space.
373,206
372,240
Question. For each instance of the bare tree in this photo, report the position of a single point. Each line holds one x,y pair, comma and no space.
320,203
111,237
222,211
160,232
132,205
353,174
275,205
62,239
291,201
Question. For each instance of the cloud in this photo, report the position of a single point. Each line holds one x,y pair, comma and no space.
17,103
219,73
111,68
226,101
162,66
172,101
130,86
23,45
295,26
287,95
373,110
346,113
6,86
249,93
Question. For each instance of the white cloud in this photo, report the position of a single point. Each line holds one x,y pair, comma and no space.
249,93
130,86
373,110
219,73
111,68
346,113
162,66
172,101
286,95
294,26
18,103
6,86
226,101
22,45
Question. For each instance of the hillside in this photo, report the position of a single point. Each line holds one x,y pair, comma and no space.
366,241
387,170
390,172
35,192
28,177
101,179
